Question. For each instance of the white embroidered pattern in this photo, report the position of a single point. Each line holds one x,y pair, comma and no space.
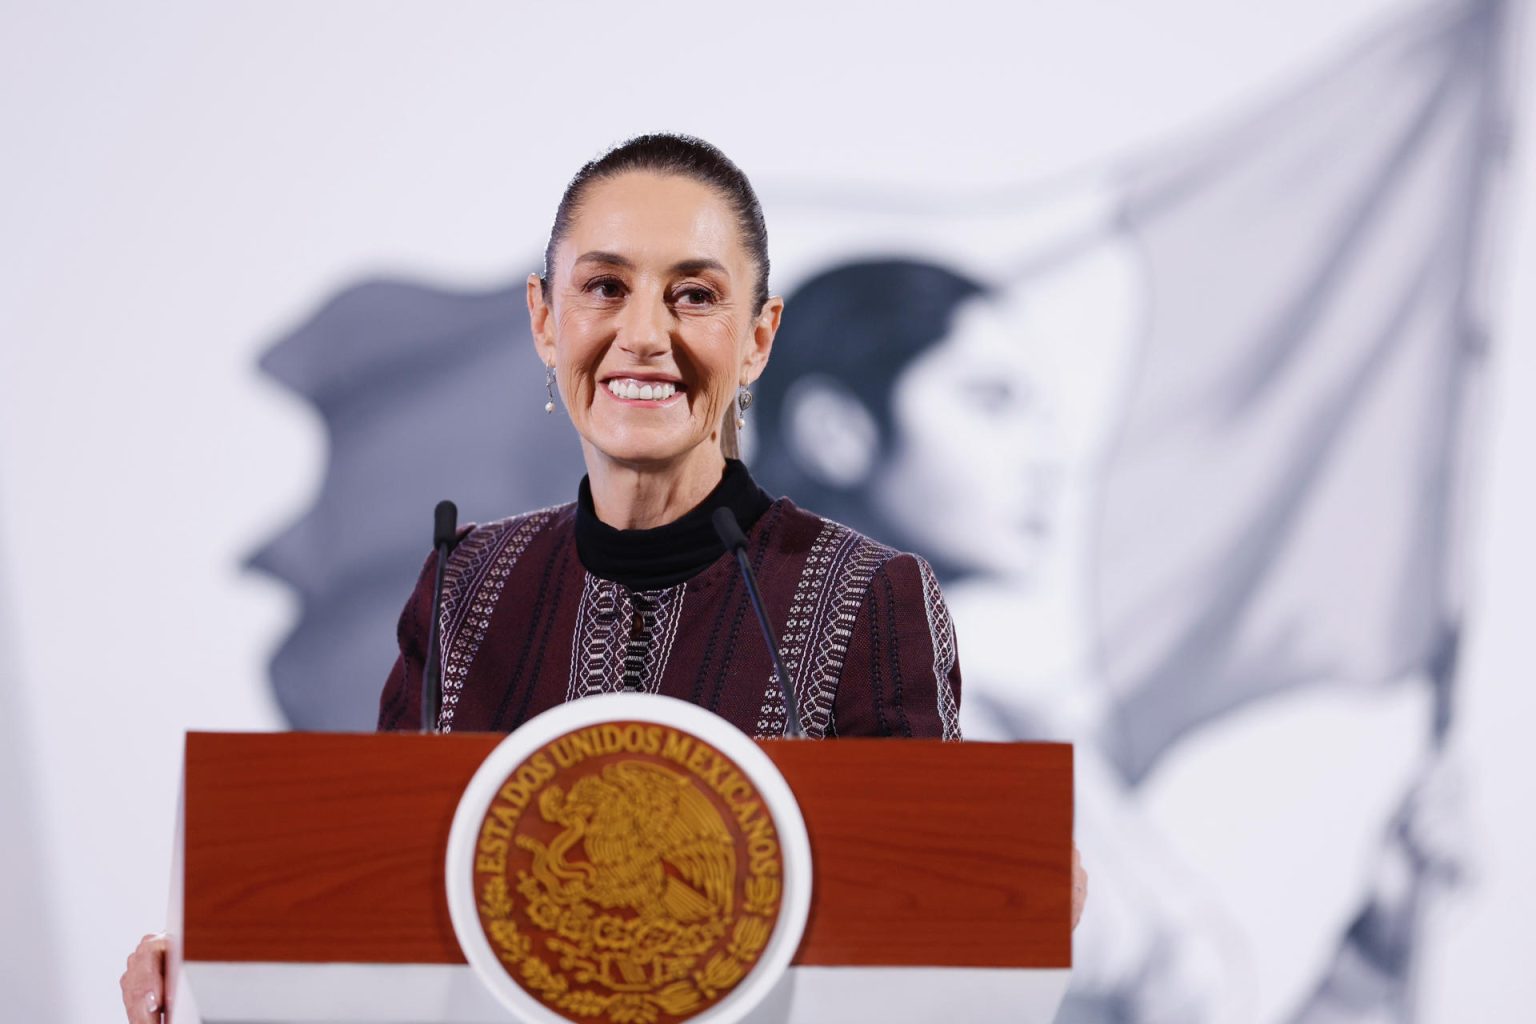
601,640
664,614
941,630
831,588
473,579
591,637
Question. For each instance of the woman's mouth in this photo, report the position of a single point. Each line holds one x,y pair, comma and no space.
631,389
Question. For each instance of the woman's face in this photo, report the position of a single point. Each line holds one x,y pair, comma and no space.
649,322
973,468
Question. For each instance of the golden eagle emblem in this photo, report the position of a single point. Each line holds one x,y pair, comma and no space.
620,889
632,820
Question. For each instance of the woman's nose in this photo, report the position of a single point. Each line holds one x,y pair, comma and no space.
645,328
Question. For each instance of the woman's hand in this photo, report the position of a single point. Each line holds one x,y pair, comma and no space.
143,982
1079,887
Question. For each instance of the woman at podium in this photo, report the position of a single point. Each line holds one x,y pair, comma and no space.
653,320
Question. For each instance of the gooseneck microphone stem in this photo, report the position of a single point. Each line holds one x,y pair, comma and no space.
445,528
735,542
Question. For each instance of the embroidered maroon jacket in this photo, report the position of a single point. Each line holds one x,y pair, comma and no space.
525,627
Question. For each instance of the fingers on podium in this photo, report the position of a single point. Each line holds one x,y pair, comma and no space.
143,981
1079,886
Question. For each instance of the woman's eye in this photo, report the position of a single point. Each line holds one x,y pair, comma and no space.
605,287
695,297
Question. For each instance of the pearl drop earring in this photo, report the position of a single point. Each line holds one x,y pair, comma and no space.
743,403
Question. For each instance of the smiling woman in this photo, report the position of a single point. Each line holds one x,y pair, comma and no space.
652,313
653,317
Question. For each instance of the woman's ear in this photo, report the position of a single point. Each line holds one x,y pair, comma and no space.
830,432
540,322
763,330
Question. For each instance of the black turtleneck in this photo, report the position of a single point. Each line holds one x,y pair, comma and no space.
666,555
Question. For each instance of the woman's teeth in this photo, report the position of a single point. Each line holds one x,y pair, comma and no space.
634,389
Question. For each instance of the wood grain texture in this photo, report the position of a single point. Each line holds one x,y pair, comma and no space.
305,847
945,854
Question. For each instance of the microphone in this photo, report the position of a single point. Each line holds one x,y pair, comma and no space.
729,531
445,527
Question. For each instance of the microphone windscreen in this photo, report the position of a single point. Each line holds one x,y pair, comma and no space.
728,529
445,523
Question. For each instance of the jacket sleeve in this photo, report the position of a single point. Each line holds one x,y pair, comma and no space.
901,676
400,703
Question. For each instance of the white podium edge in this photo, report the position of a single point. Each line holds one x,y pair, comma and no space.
283,993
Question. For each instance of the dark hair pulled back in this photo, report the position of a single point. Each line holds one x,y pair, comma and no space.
684,155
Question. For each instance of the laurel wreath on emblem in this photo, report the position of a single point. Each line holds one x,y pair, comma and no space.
631,820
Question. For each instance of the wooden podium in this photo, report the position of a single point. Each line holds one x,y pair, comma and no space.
309,880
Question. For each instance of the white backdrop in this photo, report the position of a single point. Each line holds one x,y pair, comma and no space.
183,183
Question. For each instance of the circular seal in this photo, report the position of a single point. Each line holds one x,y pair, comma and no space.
628,859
